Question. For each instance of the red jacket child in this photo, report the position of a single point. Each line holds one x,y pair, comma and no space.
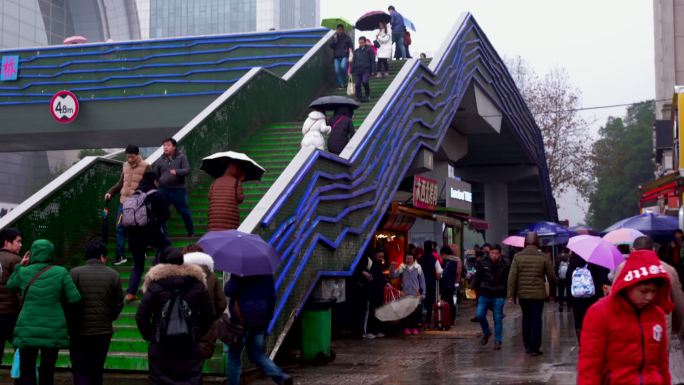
624,336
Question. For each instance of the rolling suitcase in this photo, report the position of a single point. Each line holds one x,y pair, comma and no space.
441,313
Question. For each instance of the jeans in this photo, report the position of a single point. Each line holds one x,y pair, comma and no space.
120,234
179,199
340,64
496,305
362,79
254,343
398,39
27,365
138,241
532,310
88,355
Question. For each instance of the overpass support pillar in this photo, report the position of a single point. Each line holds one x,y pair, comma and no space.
496,211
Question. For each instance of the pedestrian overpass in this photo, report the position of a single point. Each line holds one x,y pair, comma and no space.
317,209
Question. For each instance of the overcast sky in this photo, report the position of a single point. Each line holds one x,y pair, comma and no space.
606,46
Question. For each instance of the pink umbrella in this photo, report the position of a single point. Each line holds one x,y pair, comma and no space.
596,250
623,236
515,241
75,40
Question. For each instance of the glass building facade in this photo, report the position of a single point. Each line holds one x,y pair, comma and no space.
169,18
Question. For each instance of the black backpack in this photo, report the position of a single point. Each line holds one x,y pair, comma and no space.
176,324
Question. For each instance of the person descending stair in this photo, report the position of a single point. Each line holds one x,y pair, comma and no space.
362,67
132,173
315,126
342,129
172,169
148,234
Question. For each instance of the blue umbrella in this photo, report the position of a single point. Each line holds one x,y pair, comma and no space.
648,223
579,230
409,24
549,232
240,253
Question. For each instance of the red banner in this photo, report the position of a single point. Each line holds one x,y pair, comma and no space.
425,193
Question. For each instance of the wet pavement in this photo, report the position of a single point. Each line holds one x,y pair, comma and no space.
453,357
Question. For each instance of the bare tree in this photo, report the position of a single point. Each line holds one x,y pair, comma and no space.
555,102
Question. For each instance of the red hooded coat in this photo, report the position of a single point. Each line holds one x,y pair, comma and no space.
621,344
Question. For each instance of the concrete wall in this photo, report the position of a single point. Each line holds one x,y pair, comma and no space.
21,174
668,28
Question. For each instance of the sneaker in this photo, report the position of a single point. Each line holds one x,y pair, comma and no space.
407,332
536,354
379,335
119,260
130,298
415,331
497,346
287,380
484,340
474,319
369,336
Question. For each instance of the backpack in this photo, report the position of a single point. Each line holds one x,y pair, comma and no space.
135,210
582,285
563,270
176,322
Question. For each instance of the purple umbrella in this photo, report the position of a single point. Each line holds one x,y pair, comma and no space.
240,253
596,250
370,20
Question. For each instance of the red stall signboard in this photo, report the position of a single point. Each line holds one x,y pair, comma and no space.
424,193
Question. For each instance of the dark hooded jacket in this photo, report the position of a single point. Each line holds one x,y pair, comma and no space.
342,130
491,279
622,344
42,322
174,363
9,302
102,298
255,296
341,45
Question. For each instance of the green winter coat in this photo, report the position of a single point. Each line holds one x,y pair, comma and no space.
530,270
41,321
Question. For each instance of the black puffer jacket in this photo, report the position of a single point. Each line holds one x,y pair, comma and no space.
168,363
341,45
342,130
101,298
491,279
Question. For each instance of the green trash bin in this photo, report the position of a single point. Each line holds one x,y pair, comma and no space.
316,321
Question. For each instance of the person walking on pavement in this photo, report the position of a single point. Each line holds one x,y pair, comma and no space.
453,268
412,283
385,51
9,301
172,169
133,169
151,234
341,131
398,29
644,246
562,284
252,303
599,276
491,282
195,255
624,339
174,358
342,47
432,271
530,269
225,197
362,67
41,326
101,304
374,295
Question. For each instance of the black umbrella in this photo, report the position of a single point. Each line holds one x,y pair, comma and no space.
332,102
370,20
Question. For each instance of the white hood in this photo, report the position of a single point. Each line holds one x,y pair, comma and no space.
198,258
316,115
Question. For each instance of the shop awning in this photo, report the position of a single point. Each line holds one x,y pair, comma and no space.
398,222
478,224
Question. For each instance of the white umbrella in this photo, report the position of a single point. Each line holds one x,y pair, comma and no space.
397,309
216,164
